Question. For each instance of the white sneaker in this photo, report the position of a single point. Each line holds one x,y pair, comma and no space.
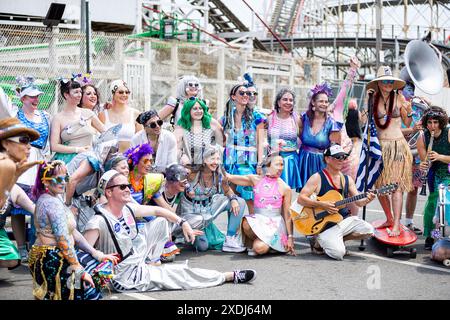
251,252
232,245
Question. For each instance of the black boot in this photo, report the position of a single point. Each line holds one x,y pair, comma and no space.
429,243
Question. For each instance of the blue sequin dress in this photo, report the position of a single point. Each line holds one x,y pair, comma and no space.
313,145
241,155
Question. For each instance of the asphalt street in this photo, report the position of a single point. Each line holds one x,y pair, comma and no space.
367,274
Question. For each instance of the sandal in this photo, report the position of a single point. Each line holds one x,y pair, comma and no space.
414,229
315,248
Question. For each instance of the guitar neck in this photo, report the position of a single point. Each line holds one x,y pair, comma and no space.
351,199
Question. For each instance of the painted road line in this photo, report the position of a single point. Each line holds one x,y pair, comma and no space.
368,255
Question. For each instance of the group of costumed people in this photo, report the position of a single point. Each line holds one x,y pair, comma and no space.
113,193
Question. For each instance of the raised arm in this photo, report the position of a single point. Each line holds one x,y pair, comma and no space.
338,108
247,180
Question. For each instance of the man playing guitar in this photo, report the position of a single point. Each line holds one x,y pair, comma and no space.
331,239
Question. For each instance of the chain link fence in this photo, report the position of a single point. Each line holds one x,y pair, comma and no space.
150,67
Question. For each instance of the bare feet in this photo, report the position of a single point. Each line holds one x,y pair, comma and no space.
395,232
386,224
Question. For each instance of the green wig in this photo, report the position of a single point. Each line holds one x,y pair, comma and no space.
185,120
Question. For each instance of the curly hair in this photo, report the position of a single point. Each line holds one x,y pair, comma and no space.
438,113
185,120
134,154
280,95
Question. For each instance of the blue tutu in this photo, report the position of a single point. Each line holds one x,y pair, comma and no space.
291,169
245,192
310,162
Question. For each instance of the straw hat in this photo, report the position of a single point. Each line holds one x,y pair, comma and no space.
12,127
385,73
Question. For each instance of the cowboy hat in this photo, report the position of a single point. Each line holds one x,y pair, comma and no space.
385,73
12,127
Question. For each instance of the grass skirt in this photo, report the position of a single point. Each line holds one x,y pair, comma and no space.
397,164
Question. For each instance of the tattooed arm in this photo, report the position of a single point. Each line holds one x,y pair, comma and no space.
55,212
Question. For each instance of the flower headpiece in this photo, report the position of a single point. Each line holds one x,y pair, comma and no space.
322,88
248,80
26,86
23,82
81,78
135,154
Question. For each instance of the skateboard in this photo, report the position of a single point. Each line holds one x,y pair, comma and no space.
395,245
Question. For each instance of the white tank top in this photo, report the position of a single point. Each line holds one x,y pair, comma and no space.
128,129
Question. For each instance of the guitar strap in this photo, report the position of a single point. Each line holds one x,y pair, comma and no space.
343,183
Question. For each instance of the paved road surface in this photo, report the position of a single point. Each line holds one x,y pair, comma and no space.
362,275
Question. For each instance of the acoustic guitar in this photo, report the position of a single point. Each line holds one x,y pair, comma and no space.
311,221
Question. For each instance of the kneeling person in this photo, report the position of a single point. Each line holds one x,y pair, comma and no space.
331,239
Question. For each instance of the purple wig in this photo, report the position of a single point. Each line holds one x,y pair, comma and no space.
45,171
135,154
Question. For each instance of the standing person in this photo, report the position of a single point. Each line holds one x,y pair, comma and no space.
436,121
38,120
353,132
133,273
55,264
208,196
271,225
196,131
318,129
252,92
411,133
73,128
15,139
188,86
283,135
121,112
390,109
331,239
163,142
243,128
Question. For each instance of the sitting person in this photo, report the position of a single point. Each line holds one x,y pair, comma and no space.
162,141
58,268
206,198
331,239
270,227
117,231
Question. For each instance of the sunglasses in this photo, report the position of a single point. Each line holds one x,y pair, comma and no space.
341,157
154,124
147,161
60,179
20,139
193,84
243,93
251,94
121,186
387,81
123,92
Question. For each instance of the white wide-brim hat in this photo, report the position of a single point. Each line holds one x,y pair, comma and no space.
31,91
385,73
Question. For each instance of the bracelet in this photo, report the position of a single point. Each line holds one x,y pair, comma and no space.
290,236
76,149
181,221
233,197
